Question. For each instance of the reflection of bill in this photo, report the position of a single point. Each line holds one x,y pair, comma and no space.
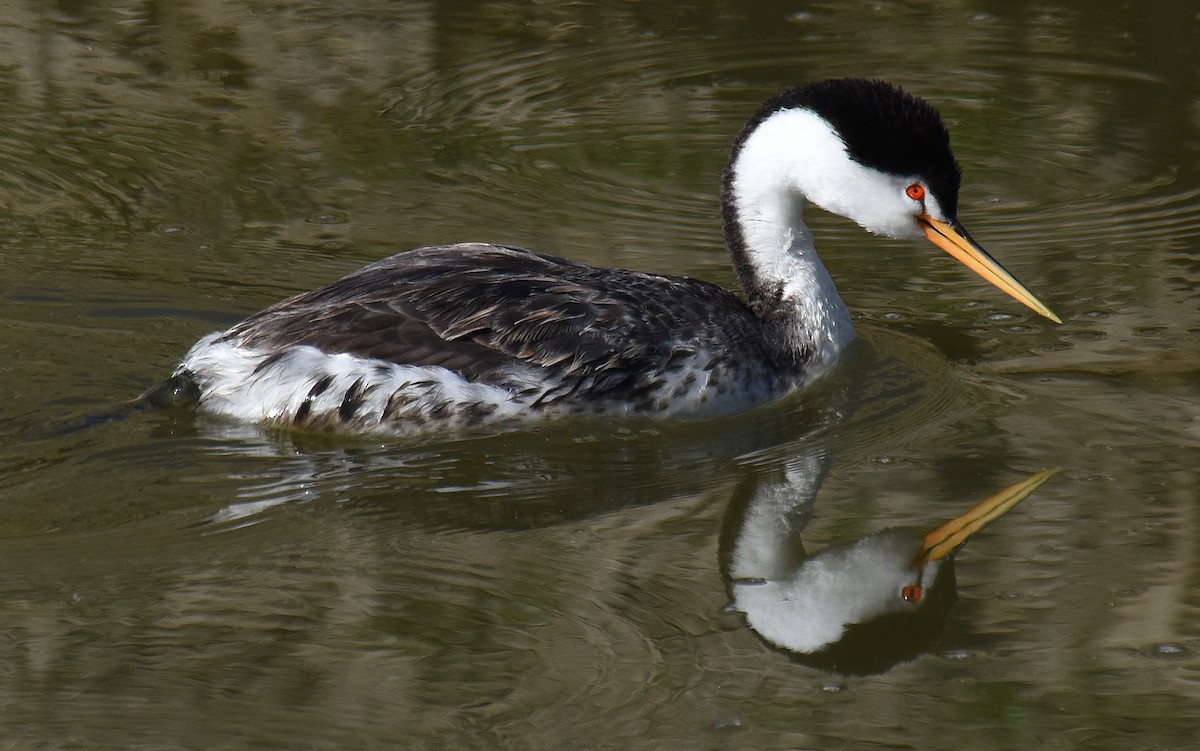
858,607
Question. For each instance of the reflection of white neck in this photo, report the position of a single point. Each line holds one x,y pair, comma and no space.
768,542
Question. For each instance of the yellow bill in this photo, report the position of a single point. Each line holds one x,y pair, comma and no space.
946,538
952,238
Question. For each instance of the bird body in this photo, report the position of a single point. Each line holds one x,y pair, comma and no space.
461,334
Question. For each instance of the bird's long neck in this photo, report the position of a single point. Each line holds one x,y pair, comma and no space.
784,281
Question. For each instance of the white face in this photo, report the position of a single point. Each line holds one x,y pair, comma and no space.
887,205
799,149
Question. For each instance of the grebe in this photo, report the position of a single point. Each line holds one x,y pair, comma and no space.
460,334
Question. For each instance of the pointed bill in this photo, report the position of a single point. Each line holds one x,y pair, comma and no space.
952,238
946,538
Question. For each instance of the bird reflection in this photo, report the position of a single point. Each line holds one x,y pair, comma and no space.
859,607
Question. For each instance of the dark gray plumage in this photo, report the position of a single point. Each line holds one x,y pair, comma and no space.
490,312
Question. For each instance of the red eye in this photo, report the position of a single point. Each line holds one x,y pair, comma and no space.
911,592
916,191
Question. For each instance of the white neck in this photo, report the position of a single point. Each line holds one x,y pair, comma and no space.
790,156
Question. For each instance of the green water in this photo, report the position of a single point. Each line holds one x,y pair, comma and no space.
176,581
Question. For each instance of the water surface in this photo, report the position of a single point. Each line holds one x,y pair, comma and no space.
173,580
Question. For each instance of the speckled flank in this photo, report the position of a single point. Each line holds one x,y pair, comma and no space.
303,387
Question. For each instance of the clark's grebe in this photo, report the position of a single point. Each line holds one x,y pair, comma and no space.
459,334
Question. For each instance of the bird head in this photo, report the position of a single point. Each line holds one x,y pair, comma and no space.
868,151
